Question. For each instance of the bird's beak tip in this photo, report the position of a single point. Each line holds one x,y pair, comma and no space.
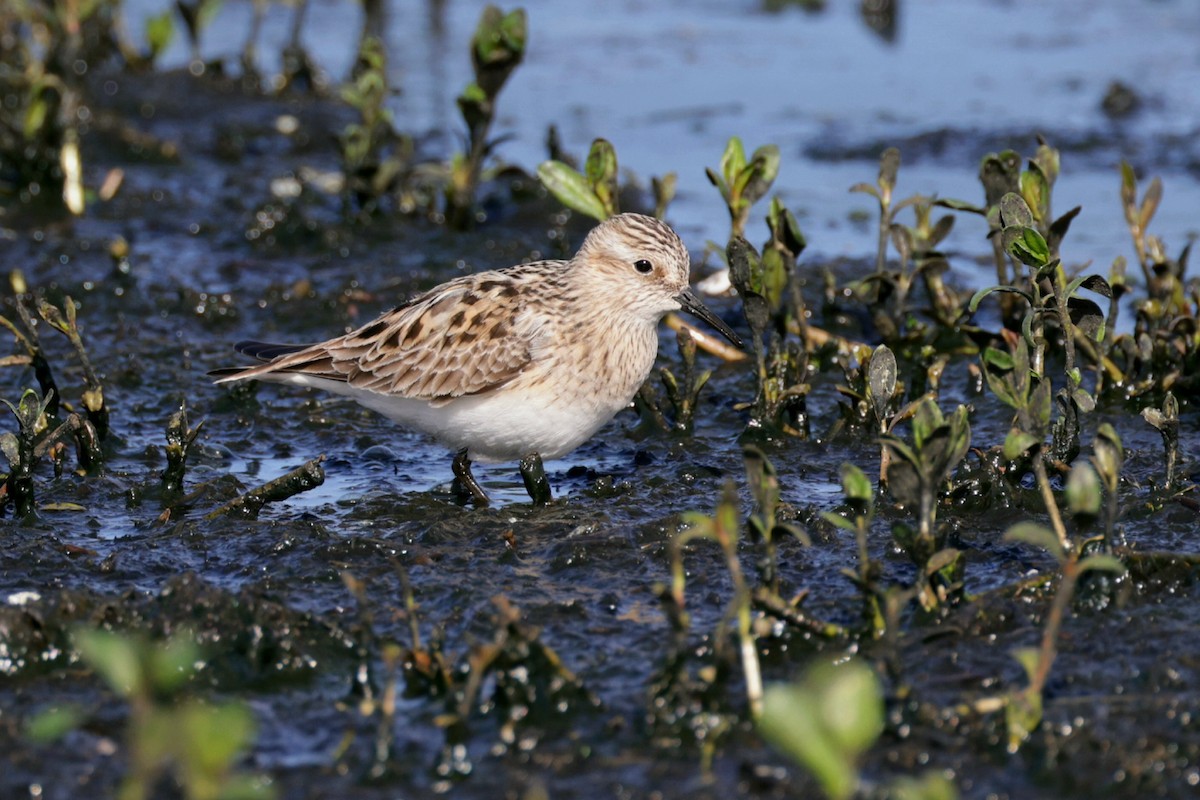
691,304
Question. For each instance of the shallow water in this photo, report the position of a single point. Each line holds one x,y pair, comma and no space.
266,594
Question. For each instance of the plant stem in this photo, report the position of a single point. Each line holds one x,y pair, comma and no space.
1043,482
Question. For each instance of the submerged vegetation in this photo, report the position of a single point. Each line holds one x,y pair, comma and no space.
969,430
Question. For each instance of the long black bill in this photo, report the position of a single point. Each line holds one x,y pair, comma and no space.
692,305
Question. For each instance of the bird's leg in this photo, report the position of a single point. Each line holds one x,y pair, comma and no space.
536,483
465,485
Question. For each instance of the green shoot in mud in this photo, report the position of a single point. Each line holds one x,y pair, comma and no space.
372,153
827,721
773,304
496,49
1166,422
180,439
742,182
170,732
515,674
1023,708
21,451
595,192
683,392
64,321
860,505
724,529
916,472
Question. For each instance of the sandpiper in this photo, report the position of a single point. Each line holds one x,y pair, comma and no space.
523,363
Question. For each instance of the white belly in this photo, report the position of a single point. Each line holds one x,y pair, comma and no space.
498,426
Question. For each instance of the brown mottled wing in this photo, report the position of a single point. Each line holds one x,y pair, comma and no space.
462,338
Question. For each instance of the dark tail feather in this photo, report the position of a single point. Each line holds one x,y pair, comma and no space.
266,351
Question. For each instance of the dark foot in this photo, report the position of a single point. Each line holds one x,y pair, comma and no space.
465,485
534,475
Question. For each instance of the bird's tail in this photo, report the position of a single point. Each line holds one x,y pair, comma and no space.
276,363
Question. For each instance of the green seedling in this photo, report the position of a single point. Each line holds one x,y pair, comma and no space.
497,47
742,182
917,247
723,529
1011,378
1001,175
684,392
373,154
765,286
26,335
19,449
875,393
826,722
885,185
765,525
1165,420
179,442
860,505
663,189
1164,277
1108,457
1023,707
595,191
64,321
514,674
915,473
370,701
34,439
170,732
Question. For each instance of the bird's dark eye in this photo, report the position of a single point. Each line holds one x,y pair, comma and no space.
643,266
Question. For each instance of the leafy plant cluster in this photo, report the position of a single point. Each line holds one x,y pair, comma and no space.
1053,354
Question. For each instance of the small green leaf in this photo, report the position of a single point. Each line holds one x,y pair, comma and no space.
1038,536
998,359
601,172
117,659
942,559
1035,191
1083,490
959,205
1150,201
927,419
160,30
982,293
1018,442
1030,248
571,189
1103,563
733,161
1014,211
173,662
51,724
838,521
855,484
1028,658
865,188
851,704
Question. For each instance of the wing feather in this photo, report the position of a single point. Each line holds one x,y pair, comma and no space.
466,337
